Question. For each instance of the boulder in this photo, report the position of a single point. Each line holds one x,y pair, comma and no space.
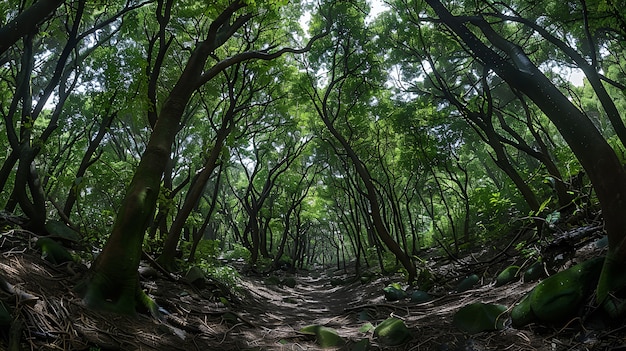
508,275
467,283
478,317
392,332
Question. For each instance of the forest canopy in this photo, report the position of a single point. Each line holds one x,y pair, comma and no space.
310,134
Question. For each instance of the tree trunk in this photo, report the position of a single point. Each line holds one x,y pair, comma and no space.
87,160
166,259
592,150
112,280
26,22
372,197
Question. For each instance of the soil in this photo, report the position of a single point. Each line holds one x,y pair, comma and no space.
262,315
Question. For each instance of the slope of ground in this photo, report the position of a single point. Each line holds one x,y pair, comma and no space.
49,316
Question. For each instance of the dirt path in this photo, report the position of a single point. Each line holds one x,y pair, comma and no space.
269,318
278,313
282,311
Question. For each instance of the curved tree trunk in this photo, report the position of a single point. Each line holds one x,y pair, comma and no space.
166,259
592,150
112,283
26,22
372,197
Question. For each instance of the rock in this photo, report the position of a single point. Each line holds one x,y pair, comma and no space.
602,242
59,230
326,337
508,275
195,276
394,292
52,251
361,345
272,280
418,296
467,283
290,282
479,317
392,332
522,313
558,297
535,272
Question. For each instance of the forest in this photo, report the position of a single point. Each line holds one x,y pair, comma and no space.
318,174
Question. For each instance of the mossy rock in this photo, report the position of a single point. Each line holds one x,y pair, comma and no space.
361,345
602,242
195,276
5,316
325,337
534,272
337,282
508,275
418,296
467,283
394,292
392,332
478,317
557,298
522,313
290,282
58,229
272,280
52,251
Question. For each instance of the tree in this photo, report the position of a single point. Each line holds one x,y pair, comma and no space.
341,98
509,61
112,282
26,23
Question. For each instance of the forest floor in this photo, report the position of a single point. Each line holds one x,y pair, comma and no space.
266,316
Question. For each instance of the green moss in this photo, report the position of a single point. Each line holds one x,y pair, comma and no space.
418,296
522,313
612,280
325,337
479,317
392,332
534,272
558,297
508,275
60,230
394,292
467,283
290,282
52,251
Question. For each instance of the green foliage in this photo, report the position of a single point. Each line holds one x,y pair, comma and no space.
207,250
493,212
238,252
529,252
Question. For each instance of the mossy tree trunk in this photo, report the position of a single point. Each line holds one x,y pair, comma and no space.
592,150
112,281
